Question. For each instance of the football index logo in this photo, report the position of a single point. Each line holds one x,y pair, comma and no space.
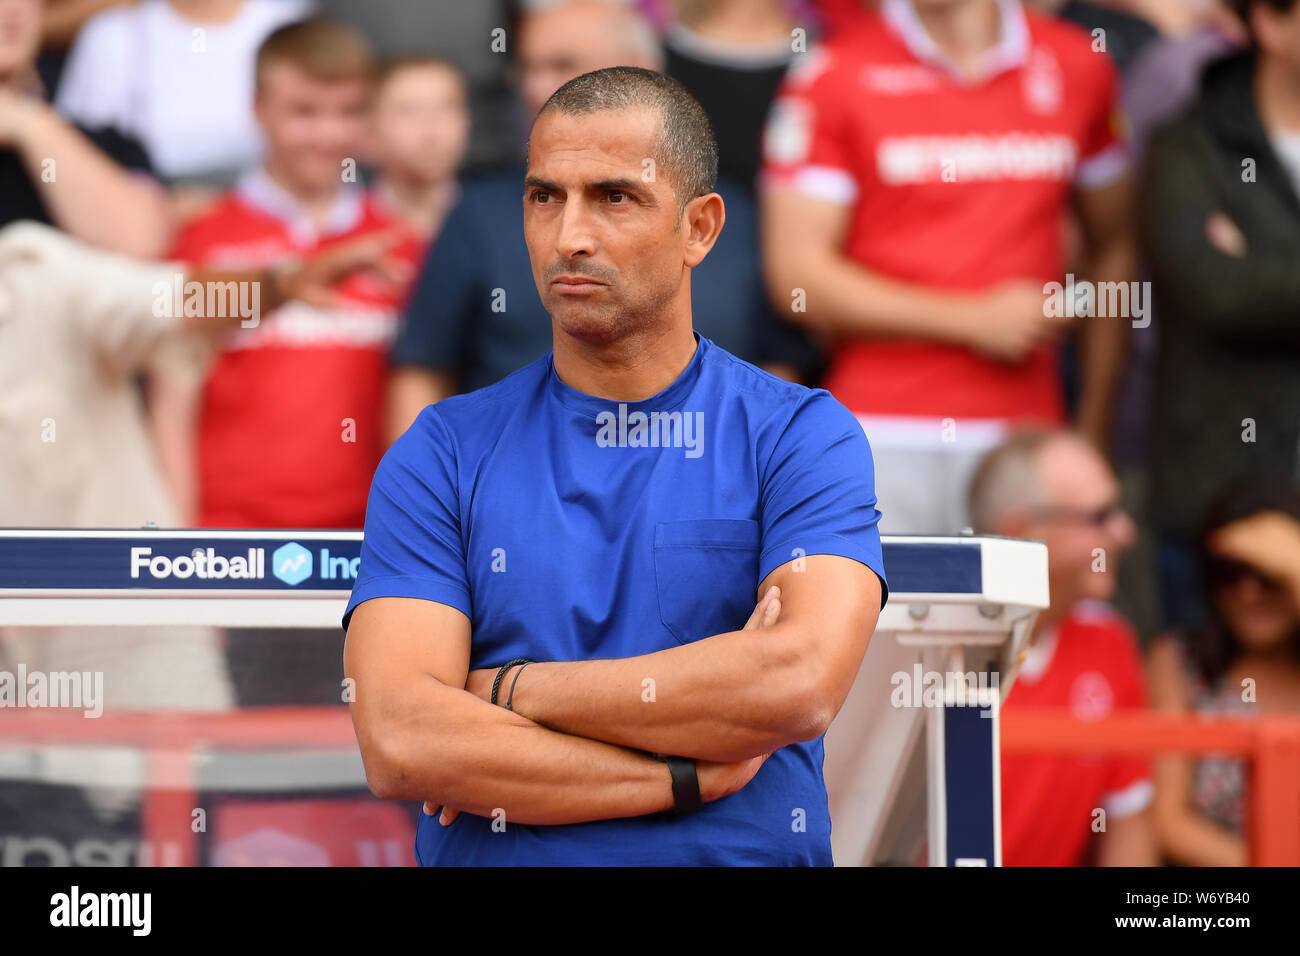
291,563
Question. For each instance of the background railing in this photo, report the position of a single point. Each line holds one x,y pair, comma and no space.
1270,743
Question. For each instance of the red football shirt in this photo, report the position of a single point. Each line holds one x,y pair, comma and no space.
953,185
291,427
1090,665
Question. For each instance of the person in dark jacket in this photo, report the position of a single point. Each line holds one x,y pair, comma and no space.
1221,230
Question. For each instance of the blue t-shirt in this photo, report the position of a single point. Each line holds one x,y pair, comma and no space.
570,527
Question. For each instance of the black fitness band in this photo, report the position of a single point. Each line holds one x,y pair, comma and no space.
496,684
510,697
686,784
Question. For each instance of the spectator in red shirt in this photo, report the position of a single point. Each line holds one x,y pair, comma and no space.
289,422
919,165
1054,486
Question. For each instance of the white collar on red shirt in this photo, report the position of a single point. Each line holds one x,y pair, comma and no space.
1010,51
1038,656
260,191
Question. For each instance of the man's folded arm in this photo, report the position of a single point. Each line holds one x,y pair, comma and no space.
730,696
423,737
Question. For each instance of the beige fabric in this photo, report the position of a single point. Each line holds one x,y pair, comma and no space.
77,325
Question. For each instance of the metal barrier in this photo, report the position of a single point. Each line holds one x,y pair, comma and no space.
957,603
172,745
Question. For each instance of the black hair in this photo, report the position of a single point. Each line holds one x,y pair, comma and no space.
1242,9
1213,647
687,148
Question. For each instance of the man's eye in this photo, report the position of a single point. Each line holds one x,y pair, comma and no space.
617,198
540,197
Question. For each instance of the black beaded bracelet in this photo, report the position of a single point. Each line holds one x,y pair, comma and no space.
496,684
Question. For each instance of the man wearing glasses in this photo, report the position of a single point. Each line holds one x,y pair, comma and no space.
1052,485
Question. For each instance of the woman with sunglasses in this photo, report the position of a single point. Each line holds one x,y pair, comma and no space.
1244,661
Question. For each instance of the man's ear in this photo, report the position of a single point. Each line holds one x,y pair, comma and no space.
702,219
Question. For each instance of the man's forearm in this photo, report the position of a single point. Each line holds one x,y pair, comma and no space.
88,195
410,391
1129,841
842,298
173,416
1103,345
727,697
451,748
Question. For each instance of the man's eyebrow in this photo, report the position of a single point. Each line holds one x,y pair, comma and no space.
631,185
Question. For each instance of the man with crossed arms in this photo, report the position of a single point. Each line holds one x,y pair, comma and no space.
543,519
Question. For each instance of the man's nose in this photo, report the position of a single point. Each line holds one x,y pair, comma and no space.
574,237
1122,529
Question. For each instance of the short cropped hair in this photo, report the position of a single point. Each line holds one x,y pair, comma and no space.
631,33
686,151
394,65
1007,478
326,49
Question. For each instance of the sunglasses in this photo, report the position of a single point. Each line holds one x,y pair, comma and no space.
1224,572
1093,517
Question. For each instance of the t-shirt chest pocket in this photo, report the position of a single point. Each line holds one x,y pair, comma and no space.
706,573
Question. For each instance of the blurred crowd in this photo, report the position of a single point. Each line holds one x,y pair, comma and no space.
1048,253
